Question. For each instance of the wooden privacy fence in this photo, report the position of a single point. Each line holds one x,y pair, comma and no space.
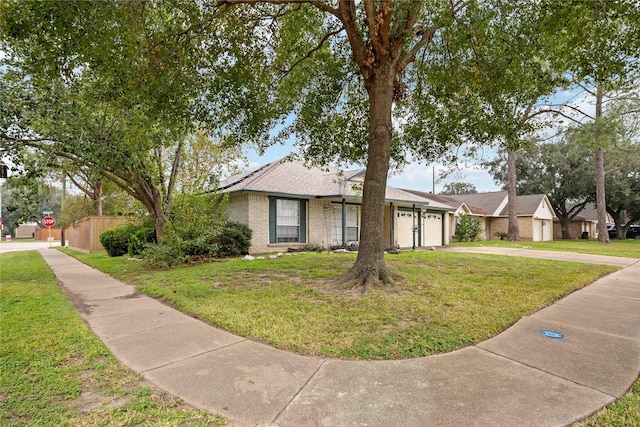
43,234
84,234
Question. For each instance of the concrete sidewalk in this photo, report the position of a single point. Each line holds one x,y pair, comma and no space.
518,378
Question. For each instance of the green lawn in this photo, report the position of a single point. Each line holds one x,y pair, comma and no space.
55,372
624,412
65,376
623,248
443,300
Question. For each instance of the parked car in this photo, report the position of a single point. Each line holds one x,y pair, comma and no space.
633,232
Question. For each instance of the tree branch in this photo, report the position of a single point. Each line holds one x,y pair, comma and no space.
315,3
545,111
175,168
311,52
426,38
624,166
348,16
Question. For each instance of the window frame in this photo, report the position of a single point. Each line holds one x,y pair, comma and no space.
273,221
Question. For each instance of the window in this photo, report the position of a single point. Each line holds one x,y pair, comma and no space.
287,220
352,231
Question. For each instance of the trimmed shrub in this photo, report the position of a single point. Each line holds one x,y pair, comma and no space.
140,238
469,227
116,240
165,256
233,240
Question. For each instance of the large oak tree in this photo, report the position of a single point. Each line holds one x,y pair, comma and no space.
375,82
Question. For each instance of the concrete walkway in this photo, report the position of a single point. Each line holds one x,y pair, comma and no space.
518,378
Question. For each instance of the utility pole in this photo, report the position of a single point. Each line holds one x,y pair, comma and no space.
433,180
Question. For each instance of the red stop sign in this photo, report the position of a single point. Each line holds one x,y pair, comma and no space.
48,221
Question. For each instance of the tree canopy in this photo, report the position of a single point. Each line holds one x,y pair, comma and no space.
373,81
563,171
459,188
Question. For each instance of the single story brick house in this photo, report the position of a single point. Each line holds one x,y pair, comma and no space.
584,222
534,212
289,205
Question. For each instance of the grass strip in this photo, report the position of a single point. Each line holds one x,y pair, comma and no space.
624,412
54,371
628,248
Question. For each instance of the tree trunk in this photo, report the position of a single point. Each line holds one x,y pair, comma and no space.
97,198
603,235
513,230
565,221
158,214
601,202
370,268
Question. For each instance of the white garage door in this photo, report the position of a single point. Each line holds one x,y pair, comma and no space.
404,228
431,229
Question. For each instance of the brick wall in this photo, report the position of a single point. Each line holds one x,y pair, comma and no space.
238,209
575,229
525,227
320,222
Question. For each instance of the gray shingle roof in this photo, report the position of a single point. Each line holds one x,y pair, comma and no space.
293,178
481,203
525,205
487,203
440,198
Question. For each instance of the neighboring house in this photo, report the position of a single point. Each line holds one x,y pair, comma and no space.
534,212
585,222
289,205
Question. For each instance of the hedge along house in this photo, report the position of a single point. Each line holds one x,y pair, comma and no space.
289,205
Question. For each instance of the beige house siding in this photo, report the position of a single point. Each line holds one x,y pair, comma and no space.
258,205
253,210
529,228
320,222
495,225
525,227
238,209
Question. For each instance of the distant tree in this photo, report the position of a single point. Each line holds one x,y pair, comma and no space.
600,52
562,171
24,198
452,188
206,159
513,88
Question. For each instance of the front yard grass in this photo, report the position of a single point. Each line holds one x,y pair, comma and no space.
55,372
628,248
442,302
624,412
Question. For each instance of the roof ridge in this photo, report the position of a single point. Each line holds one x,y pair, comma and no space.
246,179
264,169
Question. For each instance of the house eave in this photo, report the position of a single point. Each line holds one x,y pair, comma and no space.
417,204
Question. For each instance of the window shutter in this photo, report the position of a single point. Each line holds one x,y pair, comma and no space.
303,221
273,238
